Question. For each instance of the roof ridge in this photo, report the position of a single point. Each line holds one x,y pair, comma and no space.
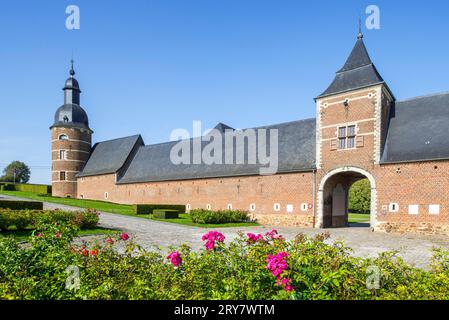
115,139
425,96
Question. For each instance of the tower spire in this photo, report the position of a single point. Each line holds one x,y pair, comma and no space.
360,35
72,71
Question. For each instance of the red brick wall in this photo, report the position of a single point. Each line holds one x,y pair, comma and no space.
77,149
264,191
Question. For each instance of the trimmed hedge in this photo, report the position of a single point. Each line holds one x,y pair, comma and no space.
149,208
218,217
21,205
165,214
25,187
29,219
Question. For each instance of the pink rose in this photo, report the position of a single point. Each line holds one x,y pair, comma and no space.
124,236
175,258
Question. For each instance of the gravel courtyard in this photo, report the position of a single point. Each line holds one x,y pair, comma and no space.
415,249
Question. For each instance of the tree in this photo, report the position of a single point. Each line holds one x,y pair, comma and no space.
23,172
360,197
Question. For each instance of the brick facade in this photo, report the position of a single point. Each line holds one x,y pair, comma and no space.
405,197
76,149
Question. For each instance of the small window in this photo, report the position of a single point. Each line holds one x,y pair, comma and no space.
82,196
393,207
346,137
229,206
277,207
413,209
65,119
106,195
304,206
208,207
63,137
62,155
188,207
252,207
289,208
434,209
62,176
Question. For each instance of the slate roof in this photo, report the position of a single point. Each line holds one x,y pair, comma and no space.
75,115
418,130
110,156
358,72
296,153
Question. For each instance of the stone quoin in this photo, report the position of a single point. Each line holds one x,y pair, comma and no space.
360,132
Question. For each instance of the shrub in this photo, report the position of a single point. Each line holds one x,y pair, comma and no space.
29,219
35,188
218,217
149,208
165,214
270,268
21,205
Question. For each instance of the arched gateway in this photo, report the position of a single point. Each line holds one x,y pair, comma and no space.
332,206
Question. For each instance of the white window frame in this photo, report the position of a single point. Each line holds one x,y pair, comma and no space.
63,135
277,207
413,209
304,206
229,206
289,208
346,136
434,209
252,207
106,195
393,207
208,206
62,154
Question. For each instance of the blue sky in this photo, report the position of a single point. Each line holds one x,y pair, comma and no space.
153,66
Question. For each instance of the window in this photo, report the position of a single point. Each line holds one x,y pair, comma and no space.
252,207
62,155
304,206
413,209
277,207
106,195
393,207
63,137
289,208
434,209
208,207
62,175
346,137
188,207
229,206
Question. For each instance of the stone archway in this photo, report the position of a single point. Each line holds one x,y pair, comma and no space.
332,200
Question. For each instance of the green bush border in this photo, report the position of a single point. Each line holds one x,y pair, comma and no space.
149,208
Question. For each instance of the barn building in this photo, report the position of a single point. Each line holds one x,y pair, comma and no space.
360,131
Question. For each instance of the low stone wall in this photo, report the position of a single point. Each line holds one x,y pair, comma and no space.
414,227
284,220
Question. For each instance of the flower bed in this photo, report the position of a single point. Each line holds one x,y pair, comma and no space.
263,266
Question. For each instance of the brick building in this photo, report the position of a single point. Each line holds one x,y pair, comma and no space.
360,131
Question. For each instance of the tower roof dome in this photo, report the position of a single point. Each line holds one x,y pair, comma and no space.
71,114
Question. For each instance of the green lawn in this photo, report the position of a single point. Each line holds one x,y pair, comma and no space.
359,218
117,208
87,204
23,235
185,219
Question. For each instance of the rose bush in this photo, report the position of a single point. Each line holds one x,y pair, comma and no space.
269,268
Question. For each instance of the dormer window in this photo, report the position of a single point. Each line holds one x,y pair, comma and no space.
346,137
63,137
65,119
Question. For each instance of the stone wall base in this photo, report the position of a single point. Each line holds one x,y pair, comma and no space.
284,220
413,227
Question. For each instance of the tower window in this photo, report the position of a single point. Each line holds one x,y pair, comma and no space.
65,119
62,176
346,137
63,137
62,155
